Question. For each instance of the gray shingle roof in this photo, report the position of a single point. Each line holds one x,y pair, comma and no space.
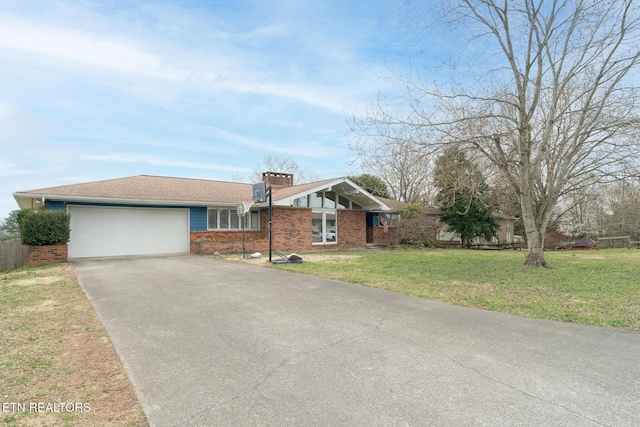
147,187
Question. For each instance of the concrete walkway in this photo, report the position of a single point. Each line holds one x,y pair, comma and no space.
209,342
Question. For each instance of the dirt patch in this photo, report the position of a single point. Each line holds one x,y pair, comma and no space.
594,257
327,257
37,281
63,368
43,306
306,257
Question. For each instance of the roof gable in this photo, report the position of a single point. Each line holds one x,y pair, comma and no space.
341,186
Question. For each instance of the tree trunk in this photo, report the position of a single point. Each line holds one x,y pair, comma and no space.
535,226
535,246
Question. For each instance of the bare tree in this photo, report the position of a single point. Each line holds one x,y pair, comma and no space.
622,207
580,211
278,163
556,106
403,166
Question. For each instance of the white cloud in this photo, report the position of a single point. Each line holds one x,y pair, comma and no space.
94,50
298,149
224,66
158,161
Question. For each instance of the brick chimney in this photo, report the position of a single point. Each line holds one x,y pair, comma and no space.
277,180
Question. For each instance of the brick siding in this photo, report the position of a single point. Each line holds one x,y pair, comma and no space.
291,233
47,254
228,242
378,236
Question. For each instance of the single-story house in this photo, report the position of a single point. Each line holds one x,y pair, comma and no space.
153,215
505,233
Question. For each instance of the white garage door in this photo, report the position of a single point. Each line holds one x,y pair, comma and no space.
100,231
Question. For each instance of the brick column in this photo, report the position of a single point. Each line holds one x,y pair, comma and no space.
47,254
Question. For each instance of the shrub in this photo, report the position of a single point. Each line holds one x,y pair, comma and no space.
412,210
415,230
41,227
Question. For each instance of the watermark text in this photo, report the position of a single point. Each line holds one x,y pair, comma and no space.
45,407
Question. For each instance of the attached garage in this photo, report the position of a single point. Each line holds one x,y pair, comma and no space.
114,231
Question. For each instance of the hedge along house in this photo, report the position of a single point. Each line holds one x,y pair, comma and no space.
154,215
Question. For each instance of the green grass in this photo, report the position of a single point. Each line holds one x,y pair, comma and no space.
589,287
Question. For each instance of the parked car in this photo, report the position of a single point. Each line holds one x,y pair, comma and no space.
579,244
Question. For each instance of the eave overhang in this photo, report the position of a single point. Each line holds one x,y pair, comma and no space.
31,200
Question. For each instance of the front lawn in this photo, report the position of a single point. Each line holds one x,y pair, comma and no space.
57,364
590,287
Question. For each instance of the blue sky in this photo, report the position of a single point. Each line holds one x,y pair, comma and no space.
205,89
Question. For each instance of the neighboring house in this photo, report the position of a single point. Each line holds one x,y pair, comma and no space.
153,215
505,234
436,230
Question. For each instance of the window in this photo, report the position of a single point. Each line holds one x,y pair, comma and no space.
228,219
317,227
331,226
235,219
343,203
508,231
301,202
212,219
324,226
329,200
254,220
324,217
315,200
224,219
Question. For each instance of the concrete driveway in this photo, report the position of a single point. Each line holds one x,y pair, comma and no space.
209,342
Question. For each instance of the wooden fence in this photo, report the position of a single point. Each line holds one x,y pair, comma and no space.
614,242
485,246
13,254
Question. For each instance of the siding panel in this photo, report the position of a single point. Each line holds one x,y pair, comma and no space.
198,218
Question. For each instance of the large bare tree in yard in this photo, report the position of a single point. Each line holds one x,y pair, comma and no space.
554,104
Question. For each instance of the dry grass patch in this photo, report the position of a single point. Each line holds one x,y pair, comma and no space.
57,364
306,257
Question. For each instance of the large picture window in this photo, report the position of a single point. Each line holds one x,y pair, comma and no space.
324,226
228,219
324,218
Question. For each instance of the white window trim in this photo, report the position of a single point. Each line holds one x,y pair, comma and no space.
307,203
324,213
247,225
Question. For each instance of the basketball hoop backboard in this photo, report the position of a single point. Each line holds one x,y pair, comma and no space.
260,192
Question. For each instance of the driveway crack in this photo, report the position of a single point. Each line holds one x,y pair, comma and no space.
512,387
273,371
